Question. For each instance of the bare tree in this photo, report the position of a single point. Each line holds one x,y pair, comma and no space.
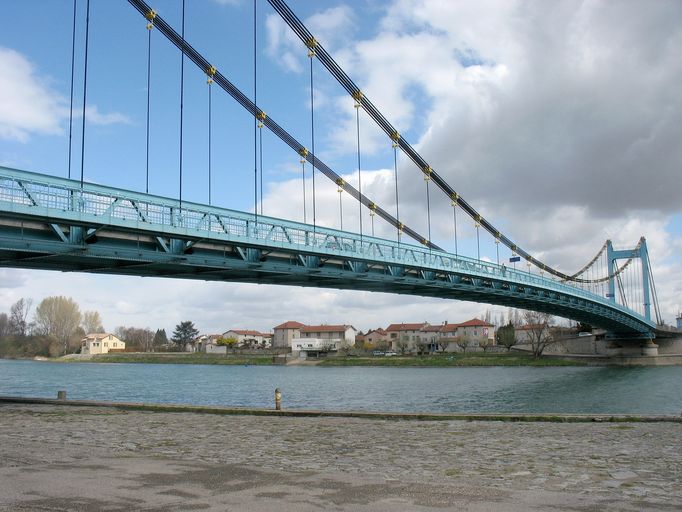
538,331
18,315
462,342
402,345
92,322
443,343
4,325
58,317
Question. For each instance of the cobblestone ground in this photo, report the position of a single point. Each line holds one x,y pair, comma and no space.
72,458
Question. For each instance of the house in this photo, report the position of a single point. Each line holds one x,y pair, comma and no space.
478,330
405,333
304,347
430,335
284,333
343,333
375,337
101,343
247,338
320,339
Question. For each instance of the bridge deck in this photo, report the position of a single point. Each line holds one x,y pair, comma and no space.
52,223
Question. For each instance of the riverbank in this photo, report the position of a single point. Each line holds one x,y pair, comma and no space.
475,359
55,457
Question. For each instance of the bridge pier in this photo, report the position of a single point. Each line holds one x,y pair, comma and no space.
631,347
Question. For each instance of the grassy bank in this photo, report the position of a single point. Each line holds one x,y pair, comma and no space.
447,360
434,360
180,358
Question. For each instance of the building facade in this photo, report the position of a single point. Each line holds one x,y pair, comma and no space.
101,343
285,333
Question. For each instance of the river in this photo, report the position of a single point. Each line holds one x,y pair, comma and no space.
601,390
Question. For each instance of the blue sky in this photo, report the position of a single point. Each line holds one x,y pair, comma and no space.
560,124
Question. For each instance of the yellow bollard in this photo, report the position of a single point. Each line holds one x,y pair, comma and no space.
278,400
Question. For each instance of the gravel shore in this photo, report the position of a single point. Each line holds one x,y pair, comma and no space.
84,458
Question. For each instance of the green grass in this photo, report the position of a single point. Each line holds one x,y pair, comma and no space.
434,360
180,358
438,360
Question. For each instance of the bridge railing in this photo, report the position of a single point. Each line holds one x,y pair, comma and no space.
36,194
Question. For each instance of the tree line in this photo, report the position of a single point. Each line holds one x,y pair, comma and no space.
56,327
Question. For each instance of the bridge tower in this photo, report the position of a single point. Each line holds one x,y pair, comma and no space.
638,252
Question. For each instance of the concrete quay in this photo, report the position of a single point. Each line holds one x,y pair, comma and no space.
108,458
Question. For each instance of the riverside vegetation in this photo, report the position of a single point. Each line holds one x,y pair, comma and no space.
432,360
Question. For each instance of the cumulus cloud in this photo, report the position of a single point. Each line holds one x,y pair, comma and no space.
330,26
559,122
29,105
27,102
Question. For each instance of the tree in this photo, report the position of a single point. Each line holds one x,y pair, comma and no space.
58,317
160,338
227,342
402,345
136,338
92,322
462,342
184,333
443,343
538,331
18,315
583,327
4,325
420,345
506,336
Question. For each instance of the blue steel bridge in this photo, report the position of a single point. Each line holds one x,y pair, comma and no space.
54,223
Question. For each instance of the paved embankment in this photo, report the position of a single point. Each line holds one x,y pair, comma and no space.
93,458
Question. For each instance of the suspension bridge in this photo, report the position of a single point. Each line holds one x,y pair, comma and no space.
56,223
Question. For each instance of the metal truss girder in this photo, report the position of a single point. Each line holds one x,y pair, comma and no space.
208,241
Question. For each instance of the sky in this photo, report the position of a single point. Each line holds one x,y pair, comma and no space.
560,122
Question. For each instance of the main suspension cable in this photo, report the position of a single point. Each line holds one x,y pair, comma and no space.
351,88
241,98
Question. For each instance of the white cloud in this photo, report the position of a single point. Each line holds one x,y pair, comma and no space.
94,116
29,106
330,27
27,102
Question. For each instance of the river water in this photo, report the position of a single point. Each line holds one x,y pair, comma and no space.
496,390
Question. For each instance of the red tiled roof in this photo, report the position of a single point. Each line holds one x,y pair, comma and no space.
291,324
449,328
431,328
324,328
475,322
405,327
